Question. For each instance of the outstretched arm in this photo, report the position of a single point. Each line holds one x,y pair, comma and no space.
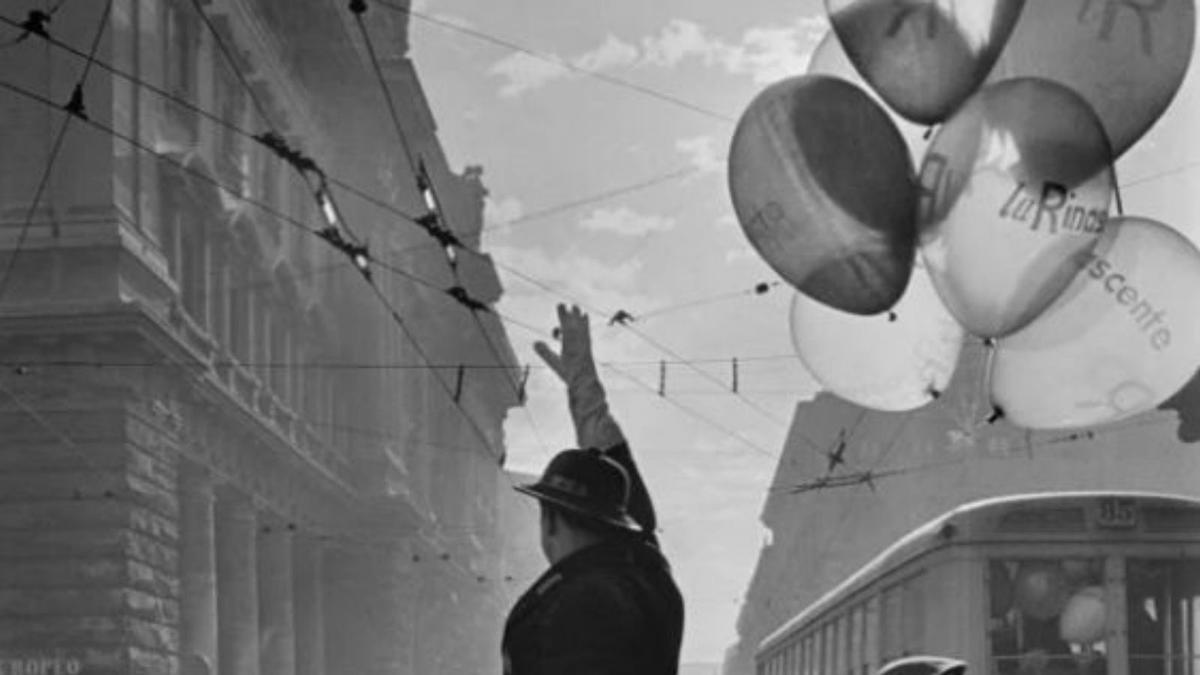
594,423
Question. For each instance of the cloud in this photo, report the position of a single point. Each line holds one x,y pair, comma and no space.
501,211
524,72
625,222
738,255
611,53
425,8
702,152
765,54
769,54
678,40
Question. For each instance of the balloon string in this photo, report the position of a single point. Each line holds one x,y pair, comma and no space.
1117,193
985,380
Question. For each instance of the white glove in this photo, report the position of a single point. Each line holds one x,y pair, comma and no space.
575,366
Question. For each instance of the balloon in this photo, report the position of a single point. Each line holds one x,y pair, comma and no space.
924,57
822,186
1084,617
1127,58
1124,336
1013,191
891,362
830,59
1041,589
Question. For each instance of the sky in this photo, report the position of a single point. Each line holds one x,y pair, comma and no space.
561,150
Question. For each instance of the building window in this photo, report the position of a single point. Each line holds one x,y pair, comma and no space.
171,216
281,358
179,58
241,320
194,273
179,48
262,345
230,145
219,296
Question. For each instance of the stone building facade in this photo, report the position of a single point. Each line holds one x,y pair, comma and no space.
220,450
951,452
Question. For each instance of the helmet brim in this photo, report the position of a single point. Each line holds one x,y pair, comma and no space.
621,521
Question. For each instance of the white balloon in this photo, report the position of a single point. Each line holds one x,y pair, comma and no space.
894,361
1083,619
830,58
1014,190
1121,339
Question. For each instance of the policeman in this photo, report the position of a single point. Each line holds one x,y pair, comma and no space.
608,604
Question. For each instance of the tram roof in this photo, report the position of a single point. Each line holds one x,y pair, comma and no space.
921,538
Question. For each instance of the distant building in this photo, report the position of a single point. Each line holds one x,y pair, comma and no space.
699,669
521,557
220,453
949,454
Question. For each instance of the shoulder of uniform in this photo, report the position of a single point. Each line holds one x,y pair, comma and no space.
545,585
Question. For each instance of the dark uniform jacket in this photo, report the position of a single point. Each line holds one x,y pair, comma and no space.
609,609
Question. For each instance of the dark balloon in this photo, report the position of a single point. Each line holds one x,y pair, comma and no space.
823,187
1127,58
829,58
924,57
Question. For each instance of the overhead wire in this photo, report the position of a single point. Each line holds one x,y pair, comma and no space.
426,183
75,109
1133,182
353,189
575,203
561,62
641,334
759,289
199,110
376,290
697,416
266,208
232,62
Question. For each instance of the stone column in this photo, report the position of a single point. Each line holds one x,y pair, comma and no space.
197,567
237,585
277,653
308,559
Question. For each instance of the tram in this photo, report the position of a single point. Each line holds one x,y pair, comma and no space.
1067,583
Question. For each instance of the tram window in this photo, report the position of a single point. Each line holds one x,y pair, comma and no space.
841,633
1162,607
872,635
914,615
892,644
1046,616
858,657
830,649
809,668
818,653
